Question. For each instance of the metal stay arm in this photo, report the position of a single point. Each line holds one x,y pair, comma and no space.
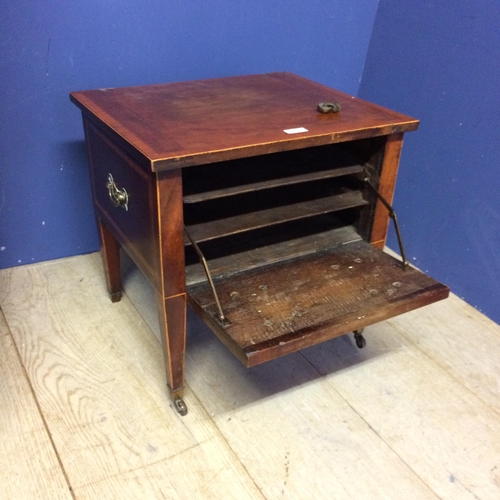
221,316
392,215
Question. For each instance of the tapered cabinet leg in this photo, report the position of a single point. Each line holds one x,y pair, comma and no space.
110,252
171,288
172,318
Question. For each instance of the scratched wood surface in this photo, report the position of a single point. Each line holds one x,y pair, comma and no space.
194,123
415,415
217,228
448,435
28,462
279,309
270,171
98,376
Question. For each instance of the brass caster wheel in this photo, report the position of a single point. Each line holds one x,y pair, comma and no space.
180,406
359,339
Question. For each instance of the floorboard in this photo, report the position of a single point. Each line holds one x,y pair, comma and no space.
97,372
462,341
436,425
414,415
28,463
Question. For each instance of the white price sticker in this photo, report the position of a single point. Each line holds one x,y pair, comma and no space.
297,130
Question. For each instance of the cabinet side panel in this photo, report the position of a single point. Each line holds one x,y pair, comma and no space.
386,186
134,226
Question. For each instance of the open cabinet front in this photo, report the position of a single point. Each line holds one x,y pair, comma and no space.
286,239
282,308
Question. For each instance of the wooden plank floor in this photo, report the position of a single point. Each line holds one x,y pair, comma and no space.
84,412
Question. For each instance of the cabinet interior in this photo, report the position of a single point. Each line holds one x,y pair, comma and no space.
255,211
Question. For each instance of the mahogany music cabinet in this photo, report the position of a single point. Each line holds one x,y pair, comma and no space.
257,201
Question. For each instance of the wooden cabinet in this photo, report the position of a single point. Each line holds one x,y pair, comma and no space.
238,196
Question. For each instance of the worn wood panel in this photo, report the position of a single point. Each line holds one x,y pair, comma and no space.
282,308
271,253
199,122
207,471
96,370
270,184
28,463
467,346
441,429
261,218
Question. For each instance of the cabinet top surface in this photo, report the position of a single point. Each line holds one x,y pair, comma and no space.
199,122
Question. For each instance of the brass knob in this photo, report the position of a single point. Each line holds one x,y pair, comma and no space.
329,107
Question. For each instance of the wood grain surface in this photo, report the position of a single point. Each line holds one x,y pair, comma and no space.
419,409
199,122
205,231
275,310
29,467
413,415
87,360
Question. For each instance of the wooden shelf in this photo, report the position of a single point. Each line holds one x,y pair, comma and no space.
253,220
285,307
271,254
272,183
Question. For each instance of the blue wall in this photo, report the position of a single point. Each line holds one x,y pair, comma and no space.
437,61
52,47
440,62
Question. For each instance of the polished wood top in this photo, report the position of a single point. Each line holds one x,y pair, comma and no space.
199,122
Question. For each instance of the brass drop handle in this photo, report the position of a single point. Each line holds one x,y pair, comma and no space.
119,197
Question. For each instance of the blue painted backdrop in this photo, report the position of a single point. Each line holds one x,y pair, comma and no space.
440,62
434,61
52,47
